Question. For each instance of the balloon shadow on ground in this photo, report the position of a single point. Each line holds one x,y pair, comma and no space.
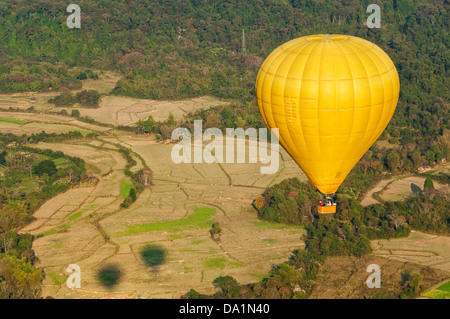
415,189
153,257
109,276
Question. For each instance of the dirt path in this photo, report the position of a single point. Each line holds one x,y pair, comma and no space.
368,198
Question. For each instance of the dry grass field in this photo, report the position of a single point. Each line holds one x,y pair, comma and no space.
114,110
401,189
120,110
419,248
345,277
169,222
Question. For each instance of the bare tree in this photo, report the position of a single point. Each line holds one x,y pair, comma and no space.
397,220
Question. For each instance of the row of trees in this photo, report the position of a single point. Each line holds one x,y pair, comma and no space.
85,98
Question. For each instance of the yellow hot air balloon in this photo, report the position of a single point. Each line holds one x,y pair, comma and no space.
331,96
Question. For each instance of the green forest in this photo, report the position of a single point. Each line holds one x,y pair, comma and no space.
175,49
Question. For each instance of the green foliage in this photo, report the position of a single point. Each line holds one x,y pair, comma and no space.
133,194
215,229
86,98
88,74
410,285
18,278
2,158
428,184
229,287
147,126
45,167
20,196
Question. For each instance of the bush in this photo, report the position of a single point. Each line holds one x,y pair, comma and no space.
428,184
45,167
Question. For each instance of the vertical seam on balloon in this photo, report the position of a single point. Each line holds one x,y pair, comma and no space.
296,109
300,97
354,107
384,96
371,94
261,109
283,106
318,93
336,109
275,58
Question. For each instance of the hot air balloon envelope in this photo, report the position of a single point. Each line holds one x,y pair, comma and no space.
331,96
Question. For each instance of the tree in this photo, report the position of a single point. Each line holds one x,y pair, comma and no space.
171,120
2,158
75,113
215,230
228,285
145,176
18,278
147,126
393,162
397,220
428,184
29,161
133,195
410,285
45,167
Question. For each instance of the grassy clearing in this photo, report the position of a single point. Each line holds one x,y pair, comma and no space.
75,215
59,229
15,121
220,263
445,287
437,294
125,188
56,279
28,186
199,219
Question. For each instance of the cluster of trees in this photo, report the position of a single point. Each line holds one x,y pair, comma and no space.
23,75
34,138
130,199
30,177
86,98
141,179
87,74
161,129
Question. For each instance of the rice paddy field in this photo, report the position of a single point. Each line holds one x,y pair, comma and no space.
86,225
160,246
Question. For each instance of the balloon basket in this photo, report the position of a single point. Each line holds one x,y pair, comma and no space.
327,209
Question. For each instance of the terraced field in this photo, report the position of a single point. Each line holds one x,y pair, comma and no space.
160,246
419,248
171,219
